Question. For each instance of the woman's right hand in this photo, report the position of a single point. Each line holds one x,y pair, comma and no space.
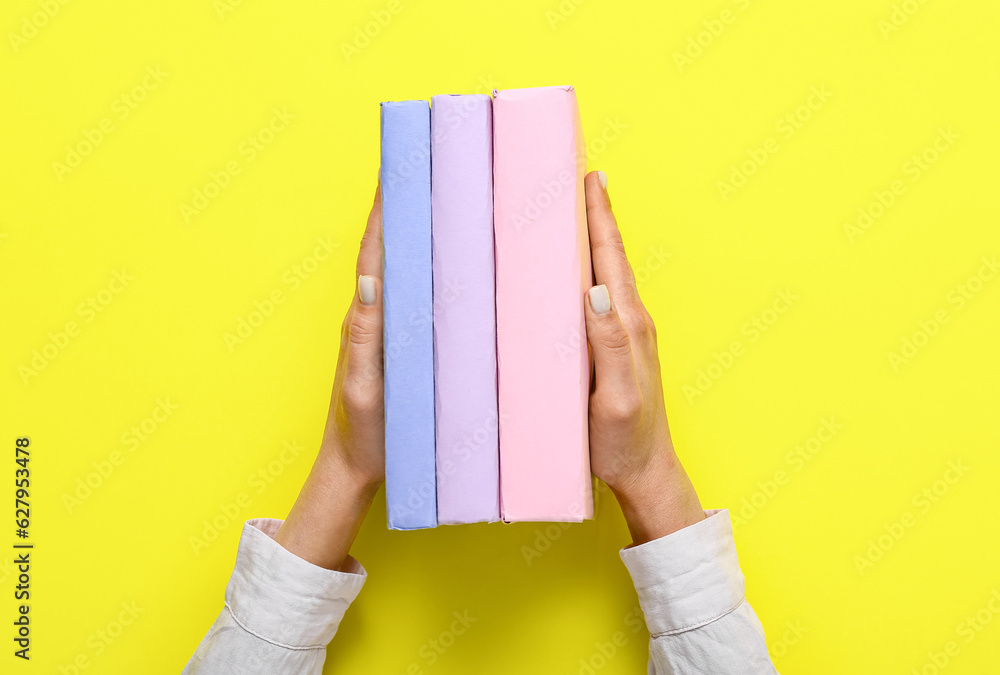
630,446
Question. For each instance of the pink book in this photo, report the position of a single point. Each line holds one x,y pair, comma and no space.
542,273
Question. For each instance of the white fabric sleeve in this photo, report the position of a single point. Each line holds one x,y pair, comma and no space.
280,611
691,591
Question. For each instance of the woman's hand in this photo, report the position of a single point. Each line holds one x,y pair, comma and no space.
350,466
355,425
630,446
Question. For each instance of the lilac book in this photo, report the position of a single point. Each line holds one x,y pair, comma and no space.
465,366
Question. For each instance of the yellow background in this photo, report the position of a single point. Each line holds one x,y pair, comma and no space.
707,265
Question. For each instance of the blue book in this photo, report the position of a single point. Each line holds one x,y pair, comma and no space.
410,479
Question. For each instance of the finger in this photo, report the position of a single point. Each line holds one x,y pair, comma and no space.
610,344
364,338
611,266
370,255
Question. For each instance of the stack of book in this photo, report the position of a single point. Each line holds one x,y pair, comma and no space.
486,260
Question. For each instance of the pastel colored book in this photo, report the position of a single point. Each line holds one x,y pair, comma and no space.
464,312
410,468
542,272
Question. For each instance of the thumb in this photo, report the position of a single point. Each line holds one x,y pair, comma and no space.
364,363
609,342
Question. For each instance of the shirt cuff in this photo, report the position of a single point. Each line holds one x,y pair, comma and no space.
688,578
283,599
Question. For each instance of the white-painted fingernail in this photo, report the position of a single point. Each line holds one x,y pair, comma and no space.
366,289
600,300
603,177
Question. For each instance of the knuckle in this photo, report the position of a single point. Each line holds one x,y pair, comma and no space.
635,323
612,245
624,408
359,396
617,341
363,330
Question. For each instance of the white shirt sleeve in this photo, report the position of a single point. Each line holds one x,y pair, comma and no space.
280,611
691,591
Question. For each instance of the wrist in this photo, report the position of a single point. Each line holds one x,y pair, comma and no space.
335,469
660,500
327,515
349,470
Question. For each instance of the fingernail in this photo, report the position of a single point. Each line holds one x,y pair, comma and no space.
366,289
603,177
600,300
